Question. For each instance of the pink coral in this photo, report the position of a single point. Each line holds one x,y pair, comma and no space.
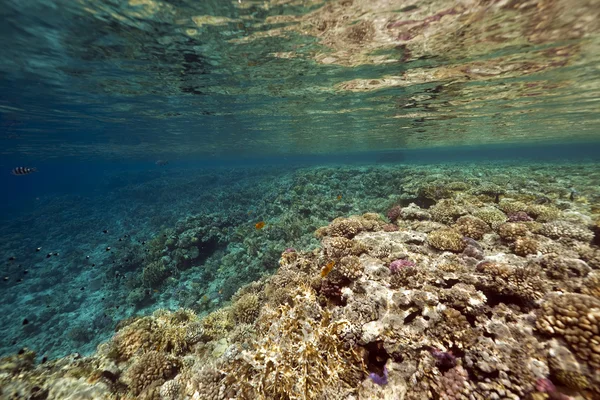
398,265
545,385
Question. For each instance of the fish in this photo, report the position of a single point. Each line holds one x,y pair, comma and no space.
573,194
23,170
327,269
339,197
260,225
161,163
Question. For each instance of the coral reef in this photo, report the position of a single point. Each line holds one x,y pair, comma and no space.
470,298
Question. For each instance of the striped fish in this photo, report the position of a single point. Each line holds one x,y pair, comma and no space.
23,170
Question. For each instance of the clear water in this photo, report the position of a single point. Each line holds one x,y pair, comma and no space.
245,100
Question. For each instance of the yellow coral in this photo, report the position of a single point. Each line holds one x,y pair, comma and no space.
165,331
217,323
447,239
299,354
245,310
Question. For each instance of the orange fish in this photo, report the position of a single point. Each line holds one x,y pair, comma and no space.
327,269
339,197
260,225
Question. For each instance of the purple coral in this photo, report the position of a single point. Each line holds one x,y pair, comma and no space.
398,265
444,359
545,385
473,248
393,213
290,250
330,289
380,380
519,216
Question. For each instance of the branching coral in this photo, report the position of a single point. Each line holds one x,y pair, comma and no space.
503,279
524,246
562,229
338,247
300,355
447,239
165,331
217,324
491,215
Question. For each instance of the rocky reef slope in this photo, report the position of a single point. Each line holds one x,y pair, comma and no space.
457,293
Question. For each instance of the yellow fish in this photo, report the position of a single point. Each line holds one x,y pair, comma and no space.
327,269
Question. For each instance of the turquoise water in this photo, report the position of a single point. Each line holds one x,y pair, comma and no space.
184,149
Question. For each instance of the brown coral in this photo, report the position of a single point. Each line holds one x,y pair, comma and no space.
523,282
472,227
591,285
524,246
216,324
447,239
563,229
245,310
491,215
543,213
447,211
510,231
344,227
576,319
207,383
302,351
151,369
512,207
568,371
164,331
350,267
338,247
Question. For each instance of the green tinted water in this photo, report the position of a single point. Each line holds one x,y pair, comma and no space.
277,77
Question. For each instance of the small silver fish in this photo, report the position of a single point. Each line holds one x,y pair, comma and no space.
23,170
161,162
